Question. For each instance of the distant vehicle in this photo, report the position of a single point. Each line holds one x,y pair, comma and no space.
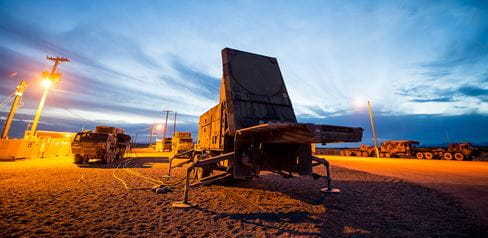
410,149
167,144
363,150
181,142
106,144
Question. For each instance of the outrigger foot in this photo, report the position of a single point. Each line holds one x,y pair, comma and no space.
330,190
182,204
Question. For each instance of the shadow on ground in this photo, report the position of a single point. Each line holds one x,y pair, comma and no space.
368,205
140,162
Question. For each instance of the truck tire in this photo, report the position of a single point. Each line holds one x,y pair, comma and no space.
428,155
342,153
447,156
365,154
78,159
348,153
203,172
419,155
387,155
459,156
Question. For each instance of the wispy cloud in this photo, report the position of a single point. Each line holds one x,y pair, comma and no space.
400,55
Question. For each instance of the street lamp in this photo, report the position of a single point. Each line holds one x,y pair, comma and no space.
358,103
47,80
157,127
373,128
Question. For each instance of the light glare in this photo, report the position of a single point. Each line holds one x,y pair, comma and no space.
46,83
158,127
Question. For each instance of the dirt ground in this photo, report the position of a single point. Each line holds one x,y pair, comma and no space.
465,180
55,198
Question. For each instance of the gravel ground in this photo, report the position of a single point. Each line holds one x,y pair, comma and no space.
54,197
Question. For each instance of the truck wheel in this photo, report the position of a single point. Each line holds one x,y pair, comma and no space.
387,155
419,155
365,154
203,172
458,156
428,155
348,153
342,153
78,159
447,156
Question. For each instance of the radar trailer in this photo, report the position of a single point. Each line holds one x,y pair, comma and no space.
253,128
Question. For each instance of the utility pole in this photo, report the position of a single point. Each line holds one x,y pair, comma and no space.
48,80
373,128
151,136
174,125
18,96
165,125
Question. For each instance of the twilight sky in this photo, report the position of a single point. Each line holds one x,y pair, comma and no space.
423,64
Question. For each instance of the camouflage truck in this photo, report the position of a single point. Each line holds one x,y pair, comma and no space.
253,128
181,143
106,144
363,151
411,149
461,151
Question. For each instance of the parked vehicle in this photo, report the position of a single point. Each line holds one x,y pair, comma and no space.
181,143
106,144
253,128
411,149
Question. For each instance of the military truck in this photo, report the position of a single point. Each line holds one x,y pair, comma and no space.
411,149
253,128
461,151
363,150
167,144
106,144
181,143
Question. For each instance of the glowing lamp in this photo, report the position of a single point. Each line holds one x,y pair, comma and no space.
359,103
158,127
46,82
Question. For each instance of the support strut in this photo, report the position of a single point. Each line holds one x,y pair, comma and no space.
328,176
212,160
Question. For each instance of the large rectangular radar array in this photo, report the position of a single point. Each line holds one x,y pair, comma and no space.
254,128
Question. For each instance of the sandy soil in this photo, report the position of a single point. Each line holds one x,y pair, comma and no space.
465,180
54,197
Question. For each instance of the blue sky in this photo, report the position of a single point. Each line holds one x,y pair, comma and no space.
423,64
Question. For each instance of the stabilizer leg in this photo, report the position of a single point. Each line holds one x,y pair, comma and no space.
185,203
329,188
